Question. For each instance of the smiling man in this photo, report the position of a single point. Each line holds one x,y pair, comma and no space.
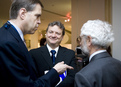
43,56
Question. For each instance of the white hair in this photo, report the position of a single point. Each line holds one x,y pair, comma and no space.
100,31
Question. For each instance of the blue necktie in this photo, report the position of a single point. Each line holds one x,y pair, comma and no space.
53,56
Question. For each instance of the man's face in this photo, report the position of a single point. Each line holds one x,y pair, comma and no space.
33,20
54,36
83,45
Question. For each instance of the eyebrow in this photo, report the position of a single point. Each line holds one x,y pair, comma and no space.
37,14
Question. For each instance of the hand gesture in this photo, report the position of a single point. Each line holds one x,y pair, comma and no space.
61,67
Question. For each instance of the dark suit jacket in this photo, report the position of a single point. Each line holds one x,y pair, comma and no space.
17,68
102,71
43,61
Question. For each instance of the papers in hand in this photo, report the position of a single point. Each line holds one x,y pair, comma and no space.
62,76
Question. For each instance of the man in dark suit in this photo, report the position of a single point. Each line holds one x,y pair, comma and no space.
102,70
17,68
42,56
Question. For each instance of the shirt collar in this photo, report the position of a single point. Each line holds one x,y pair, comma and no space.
19,31
100,51
49,49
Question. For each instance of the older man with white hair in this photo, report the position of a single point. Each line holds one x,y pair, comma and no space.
102,70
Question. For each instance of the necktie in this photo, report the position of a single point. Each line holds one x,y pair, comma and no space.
53,56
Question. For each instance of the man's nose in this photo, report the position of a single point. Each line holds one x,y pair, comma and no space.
39,21
54,34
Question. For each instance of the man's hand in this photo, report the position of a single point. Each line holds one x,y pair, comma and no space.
61,67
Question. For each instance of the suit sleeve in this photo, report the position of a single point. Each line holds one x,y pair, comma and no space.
69,80
14,70
81,81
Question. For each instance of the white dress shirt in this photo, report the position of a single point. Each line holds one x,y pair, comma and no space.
19,31
100,51
49,49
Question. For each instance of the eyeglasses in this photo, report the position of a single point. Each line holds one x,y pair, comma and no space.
81,37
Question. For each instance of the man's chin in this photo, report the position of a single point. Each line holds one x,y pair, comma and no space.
31,32
53,41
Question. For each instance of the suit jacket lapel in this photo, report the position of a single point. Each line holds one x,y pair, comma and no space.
18,38
46,56
23,47
100,55
60,55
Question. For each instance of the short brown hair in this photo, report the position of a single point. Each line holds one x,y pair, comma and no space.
59,24
29,5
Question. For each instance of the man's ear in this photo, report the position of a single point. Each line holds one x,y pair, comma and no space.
22,13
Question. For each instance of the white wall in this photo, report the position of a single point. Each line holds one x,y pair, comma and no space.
116,22
83,10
